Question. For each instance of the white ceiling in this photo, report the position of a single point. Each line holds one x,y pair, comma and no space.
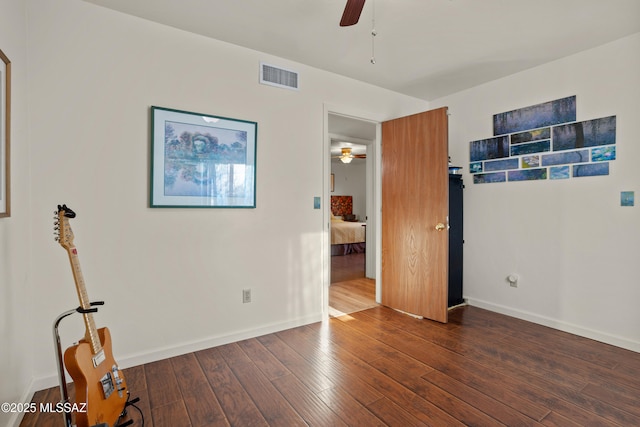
351,133
424,48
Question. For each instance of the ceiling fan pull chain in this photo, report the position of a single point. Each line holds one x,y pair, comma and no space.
374,33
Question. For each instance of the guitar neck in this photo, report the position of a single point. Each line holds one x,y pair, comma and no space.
91,332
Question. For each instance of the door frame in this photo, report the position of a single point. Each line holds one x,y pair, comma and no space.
370,196
376,162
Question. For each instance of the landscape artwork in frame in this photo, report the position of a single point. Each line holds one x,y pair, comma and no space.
202,161
5,134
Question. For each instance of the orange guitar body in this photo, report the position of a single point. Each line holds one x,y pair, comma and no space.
88,385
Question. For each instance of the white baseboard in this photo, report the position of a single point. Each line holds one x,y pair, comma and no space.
128,361
557,324
16,418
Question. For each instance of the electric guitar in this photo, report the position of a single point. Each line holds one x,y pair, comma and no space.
101,392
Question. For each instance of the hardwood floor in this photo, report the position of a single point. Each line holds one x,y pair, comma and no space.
379,367
347,267
351,296
350,290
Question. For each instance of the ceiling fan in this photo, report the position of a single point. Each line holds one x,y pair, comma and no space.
347,156
351,13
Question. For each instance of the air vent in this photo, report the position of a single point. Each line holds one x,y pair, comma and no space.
277,76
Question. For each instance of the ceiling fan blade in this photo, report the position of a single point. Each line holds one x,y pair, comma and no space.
352,12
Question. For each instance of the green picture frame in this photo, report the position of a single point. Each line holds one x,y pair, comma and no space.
5,136
202,161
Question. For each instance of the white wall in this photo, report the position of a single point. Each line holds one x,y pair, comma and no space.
16,309
573,245
171,278
351,180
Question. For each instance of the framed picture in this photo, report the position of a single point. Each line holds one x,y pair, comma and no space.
5,135
202,161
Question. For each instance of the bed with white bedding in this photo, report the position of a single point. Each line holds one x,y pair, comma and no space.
347,237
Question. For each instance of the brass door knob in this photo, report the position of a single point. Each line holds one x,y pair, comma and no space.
440,226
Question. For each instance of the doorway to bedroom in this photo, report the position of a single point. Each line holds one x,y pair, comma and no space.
352,254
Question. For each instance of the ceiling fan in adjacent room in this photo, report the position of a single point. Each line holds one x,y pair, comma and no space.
351,13
347,156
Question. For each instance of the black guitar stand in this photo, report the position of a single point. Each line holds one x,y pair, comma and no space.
64,393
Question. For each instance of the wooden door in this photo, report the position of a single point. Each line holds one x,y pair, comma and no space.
415,207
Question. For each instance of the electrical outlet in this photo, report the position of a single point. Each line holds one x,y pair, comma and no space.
246,296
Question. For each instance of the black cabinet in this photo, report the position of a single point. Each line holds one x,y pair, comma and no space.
455,239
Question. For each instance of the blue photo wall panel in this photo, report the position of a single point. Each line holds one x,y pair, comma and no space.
534,147
627,198
590,133
581,156
532,135
530,162
528,174
560,172
544,142
536,116
491,148
500,165
482,178
591,169
603,154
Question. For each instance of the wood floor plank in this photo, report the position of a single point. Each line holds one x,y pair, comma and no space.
565,374
479,377
627,367
161,383
200,401
274,407
353,412
350,290
306,403
542,357
309,345
618,395
137,384
464,402
503,412
173,414
135,378
534,388
563,387
554,419
296,364
268,364
354,295
395,392
347,267
393,414
410,373
354,361
579,347
236,403
490,406
367,347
